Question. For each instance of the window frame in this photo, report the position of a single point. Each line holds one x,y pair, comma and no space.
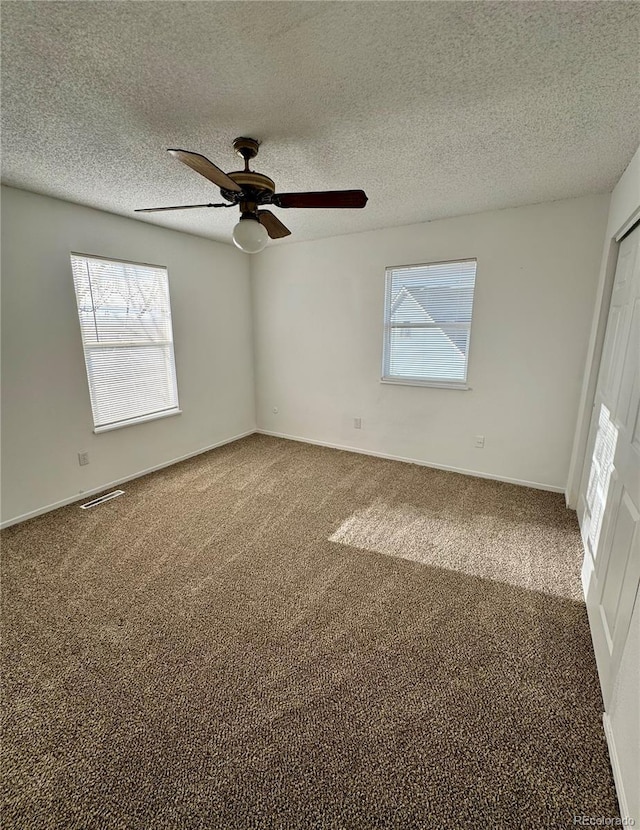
399,380
149,416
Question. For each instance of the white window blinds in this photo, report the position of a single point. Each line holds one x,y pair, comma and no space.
427,323
125,320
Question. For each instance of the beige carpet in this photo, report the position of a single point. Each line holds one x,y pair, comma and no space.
276,635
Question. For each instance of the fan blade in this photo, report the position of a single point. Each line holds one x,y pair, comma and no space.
272,224
206,168
180,207
321,199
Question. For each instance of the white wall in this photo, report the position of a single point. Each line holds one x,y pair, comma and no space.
318,310
46,412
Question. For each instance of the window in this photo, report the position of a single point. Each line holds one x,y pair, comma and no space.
125,320
427,323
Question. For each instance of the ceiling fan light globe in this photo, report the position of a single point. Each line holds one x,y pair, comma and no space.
250,236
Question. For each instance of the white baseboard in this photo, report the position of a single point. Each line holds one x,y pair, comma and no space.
536,485
77,497
615,766
81,496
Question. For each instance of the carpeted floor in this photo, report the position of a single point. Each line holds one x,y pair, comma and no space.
277,635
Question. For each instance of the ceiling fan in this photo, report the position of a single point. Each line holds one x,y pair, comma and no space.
250,190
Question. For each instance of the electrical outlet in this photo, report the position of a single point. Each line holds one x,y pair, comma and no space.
479,442
83,458
357,423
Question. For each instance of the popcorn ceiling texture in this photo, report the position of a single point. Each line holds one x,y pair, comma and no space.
435,109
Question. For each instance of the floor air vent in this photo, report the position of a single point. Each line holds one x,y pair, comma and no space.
101,499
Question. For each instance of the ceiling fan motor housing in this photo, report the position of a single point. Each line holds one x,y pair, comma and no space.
256,188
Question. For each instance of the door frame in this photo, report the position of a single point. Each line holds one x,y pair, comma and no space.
594,357
624,212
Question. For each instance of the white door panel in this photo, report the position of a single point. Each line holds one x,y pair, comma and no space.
635,438
619,566
629,392
615,325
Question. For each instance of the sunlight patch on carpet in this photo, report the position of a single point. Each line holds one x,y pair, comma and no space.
538,562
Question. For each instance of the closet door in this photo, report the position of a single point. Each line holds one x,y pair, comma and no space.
609,499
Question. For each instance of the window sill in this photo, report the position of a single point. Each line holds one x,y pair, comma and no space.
141,420
430,383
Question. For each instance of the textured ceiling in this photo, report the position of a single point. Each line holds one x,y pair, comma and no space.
434,108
